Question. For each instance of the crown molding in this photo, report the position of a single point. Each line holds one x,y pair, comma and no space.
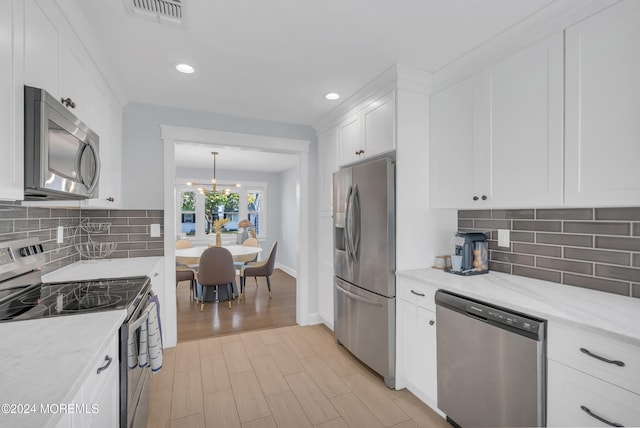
396,77
544,23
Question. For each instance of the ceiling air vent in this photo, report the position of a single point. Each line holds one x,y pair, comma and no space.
162,11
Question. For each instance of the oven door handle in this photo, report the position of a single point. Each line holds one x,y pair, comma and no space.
137,323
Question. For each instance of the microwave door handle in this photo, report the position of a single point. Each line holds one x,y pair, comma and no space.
96,176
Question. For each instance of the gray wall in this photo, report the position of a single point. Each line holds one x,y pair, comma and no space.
142,151
596,248
288,244
129,228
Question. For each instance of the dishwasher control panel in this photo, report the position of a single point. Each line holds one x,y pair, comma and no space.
503,317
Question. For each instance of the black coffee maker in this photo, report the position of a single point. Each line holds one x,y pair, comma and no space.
474,249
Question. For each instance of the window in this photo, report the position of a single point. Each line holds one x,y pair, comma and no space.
198,211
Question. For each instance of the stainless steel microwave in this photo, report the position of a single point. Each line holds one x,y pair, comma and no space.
61,157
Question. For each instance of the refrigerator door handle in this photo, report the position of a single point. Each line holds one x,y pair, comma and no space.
355,240
347,226
358,298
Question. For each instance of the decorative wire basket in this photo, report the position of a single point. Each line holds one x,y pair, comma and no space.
96,250
90,248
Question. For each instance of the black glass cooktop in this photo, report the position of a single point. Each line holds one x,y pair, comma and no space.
66,298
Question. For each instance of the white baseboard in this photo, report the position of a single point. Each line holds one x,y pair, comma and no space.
314,318
286,269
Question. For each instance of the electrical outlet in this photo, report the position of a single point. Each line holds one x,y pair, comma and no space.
504,238
155,230
60,235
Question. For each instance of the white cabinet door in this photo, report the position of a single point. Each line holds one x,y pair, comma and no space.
379,126
110,187
41,50
602,126
73,76
11,102
576,399
455,144
350,139
327,165
419,350
524,127
100,391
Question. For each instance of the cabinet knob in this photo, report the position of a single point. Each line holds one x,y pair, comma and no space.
68,102
110,199
431,322
484,197
475,198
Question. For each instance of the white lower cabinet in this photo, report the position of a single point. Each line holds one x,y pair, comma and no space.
592,379
97,404
417,319
576,399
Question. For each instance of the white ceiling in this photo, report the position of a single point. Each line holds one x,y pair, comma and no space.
199,156
274,60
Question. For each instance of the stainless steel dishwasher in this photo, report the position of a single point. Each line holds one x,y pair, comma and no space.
491,364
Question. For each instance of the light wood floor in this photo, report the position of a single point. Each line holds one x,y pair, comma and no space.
285,377
256,312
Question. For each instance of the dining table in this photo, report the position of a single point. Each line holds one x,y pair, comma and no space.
190,256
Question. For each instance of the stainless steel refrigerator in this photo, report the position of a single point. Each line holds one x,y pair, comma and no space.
364,261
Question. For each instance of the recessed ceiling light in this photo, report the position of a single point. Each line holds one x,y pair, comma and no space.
332,96
185,68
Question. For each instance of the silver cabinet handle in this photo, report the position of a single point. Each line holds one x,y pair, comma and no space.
155,274
108,359
417,294
599,418
598,357
431,322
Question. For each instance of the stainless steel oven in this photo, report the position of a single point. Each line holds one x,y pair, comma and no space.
23,296
61,157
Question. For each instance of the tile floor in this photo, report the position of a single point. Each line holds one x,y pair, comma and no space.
285,377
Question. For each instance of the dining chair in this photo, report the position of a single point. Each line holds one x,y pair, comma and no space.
183,271
256,269
216,269
240,261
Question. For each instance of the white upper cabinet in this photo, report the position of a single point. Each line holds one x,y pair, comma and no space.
523,154
455,144
73,76
379,125
602,121
11,95
369,132
496,137
41,41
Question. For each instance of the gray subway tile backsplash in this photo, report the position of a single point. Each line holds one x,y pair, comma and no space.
595,248
565,214
130,228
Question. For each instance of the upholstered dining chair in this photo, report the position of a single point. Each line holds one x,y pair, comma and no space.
216,269
240,261
183,271
256,269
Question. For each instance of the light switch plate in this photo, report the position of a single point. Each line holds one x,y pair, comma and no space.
60,235
155,230
503,238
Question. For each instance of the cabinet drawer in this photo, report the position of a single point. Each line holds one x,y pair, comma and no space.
414,292
95,381
586,351
577,399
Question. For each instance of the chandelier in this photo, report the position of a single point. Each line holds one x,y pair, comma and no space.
214,184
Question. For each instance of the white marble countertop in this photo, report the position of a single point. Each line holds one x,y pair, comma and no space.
106,268
612,314
45,361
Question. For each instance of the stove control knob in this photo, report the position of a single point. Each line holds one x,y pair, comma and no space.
40,248
24,251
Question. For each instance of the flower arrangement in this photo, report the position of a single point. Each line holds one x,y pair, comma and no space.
217,225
